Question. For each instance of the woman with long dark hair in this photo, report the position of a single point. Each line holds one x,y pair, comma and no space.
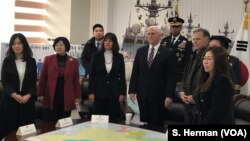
215,89
18,76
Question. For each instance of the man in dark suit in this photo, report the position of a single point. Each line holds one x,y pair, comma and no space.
152,80
91,47
222,41
178,44
186,89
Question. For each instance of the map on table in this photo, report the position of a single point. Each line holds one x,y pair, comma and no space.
88,131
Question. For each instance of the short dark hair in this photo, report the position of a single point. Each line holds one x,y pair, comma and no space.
97,25
27,52
224,41
204,32
113,38
65,42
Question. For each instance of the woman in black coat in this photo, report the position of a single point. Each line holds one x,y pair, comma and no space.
18,76
215,89
107,84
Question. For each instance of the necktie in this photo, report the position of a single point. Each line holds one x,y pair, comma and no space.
98,46
172,42
151,57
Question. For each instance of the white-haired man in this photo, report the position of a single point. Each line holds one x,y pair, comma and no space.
152,80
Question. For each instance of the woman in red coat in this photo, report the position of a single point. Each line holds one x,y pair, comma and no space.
59,87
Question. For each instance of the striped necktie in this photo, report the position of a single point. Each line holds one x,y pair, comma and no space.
151,57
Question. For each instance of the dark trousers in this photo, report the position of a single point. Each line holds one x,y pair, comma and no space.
152,112
107,106
14,115
58,107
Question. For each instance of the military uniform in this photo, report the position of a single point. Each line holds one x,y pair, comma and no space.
234,63
181,54
181,48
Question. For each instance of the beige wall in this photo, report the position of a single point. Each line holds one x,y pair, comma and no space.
58,18
79,32
69,18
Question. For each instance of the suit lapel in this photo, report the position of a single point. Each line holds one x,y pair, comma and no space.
115,59
68,66
199,56
177,42
27,68
15,68
102,62
169,41
54,63
144,55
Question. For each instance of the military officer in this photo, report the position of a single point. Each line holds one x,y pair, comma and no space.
177,43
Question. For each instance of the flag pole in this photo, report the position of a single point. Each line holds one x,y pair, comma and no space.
177,9
245,19
246,2
246,24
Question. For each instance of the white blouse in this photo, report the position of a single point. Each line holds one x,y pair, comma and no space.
21,65
108,57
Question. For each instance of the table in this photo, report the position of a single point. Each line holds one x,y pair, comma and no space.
43,127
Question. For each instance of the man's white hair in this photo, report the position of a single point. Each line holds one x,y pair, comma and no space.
158,30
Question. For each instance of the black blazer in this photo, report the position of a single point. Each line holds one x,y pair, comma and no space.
155,82
216,105
103,84
235,72
10,79
12,113
88,51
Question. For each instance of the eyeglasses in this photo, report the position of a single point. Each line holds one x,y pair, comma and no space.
207,59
